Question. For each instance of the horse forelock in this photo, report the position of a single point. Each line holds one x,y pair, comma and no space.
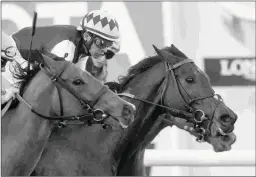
24,78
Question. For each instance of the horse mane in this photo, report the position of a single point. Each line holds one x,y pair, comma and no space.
141,67
24,78
133,71
21,74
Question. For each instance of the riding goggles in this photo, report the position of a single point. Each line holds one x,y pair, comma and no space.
102,43
7,55
9,52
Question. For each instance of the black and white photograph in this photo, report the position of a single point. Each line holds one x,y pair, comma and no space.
127,88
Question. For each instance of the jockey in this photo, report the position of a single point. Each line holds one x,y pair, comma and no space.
9,53
89,45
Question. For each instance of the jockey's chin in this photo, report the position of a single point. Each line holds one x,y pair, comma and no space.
99,61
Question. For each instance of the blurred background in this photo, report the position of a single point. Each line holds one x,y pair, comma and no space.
218,36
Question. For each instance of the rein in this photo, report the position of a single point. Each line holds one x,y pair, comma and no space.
173,111
188,116
77,117
93,115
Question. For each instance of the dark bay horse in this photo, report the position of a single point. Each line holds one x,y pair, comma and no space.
52,92
193,94
167,83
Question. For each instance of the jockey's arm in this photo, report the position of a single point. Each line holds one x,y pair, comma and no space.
58,52
34,55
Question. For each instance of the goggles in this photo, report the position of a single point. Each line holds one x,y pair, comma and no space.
7,55
102,43
9,52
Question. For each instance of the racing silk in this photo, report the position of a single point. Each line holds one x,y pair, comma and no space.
86,63
62,40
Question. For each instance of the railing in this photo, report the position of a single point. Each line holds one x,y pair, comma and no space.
199,158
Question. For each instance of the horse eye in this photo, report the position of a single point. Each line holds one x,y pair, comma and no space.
190,80
78,82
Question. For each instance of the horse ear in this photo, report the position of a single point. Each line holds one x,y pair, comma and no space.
176,52
161,53
48,61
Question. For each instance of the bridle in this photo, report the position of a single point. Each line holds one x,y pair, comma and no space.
199,117
93,116
195,116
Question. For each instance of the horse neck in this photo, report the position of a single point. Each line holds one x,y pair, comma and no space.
38,94
24,133
144,86
152,130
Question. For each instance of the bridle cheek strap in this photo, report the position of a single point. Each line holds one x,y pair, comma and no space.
179,96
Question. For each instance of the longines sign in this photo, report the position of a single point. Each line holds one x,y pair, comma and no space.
235,71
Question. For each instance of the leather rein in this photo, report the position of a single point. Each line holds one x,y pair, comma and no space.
189,116
92,115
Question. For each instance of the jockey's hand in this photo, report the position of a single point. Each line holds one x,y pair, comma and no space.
10,93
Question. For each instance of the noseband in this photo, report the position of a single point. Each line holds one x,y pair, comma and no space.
195,116
92,115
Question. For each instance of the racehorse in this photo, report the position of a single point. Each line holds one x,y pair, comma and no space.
193,94
53,91
160,85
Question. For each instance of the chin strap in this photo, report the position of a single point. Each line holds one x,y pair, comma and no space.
87,42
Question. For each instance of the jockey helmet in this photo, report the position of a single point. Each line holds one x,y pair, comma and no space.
100,23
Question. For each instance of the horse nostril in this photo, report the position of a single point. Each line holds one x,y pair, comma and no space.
226,118
225,138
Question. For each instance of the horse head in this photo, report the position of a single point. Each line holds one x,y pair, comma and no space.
188,88
159,85
72,94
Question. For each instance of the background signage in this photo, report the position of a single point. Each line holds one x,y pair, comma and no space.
236,71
